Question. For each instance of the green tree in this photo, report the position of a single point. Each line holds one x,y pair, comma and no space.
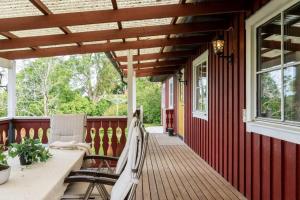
149,96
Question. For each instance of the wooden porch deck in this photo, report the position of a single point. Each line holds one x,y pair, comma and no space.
173,171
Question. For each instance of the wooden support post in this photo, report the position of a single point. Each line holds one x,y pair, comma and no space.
131,87
11,88
11,100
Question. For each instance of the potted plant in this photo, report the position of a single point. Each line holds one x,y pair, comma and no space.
29,151
4,168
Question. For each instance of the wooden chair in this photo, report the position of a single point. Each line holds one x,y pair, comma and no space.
125,185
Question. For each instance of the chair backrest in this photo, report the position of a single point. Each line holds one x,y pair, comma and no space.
127,178
67,128
140,161
124,155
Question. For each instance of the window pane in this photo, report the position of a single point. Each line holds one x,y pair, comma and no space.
198,75
269,94
292,34
292,93
198,99
269,44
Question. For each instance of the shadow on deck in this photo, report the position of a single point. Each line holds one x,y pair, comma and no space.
173,171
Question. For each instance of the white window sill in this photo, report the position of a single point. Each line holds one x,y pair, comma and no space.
279,131
200,115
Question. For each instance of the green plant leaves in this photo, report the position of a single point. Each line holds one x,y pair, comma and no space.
32,150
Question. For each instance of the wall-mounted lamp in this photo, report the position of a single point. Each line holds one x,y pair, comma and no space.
179,76
2,86
218,45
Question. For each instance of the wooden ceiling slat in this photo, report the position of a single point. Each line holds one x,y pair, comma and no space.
151,56
110,34
156,64
125,14
114,46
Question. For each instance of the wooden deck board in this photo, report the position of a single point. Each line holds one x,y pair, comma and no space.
176,172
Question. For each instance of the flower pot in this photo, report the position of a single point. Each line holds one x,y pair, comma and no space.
24,161
170,131
4,173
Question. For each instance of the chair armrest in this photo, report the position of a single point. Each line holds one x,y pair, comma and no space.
90,179
96,157
94,173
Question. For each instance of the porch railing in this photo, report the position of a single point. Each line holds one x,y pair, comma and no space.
107,135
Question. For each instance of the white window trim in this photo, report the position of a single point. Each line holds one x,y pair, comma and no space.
196,62
171,105
280,131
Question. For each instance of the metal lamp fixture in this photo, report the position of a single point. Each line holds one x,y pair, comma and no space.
179,76
218,47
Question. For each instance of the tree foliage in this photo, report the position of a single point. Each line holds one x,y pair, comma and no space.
78,84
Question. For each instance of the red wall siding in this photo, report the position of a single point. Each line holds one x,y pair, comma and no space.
260,167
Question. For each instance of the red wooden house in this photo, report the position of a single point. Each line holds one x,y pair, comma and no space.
219,106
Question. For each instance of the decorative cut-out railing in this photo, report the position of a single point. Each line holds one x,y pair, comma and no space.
169,118
107,135
4,126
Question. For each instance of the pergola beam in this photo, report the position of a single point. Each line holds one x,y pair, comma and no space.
113,46
125,14
141,74
153,56
156,64
109,35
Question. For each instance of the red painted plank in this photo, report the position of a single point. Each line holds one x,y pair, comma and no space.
266,166
230,116
290,171
256,166
226,113
236,102
242,94
298,172
276,190
249,165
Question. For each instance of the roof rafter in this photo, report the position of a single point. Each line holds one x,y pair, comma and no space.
125,14
157,64
152,56
110,34
113,46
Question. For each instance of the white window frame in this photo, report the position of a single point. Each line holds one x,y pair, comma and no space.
171,93
268,128
196,113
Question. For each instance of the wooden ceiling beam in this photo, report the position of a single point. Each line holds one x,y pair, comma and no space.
152,56
125,14
159,69
113,46
156,64
139,74
109,35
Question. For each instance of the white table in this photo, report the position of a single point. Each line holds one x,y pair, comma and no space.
41,181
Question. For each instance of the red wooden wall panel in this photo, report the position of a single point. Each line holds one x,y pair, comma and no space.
258,166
